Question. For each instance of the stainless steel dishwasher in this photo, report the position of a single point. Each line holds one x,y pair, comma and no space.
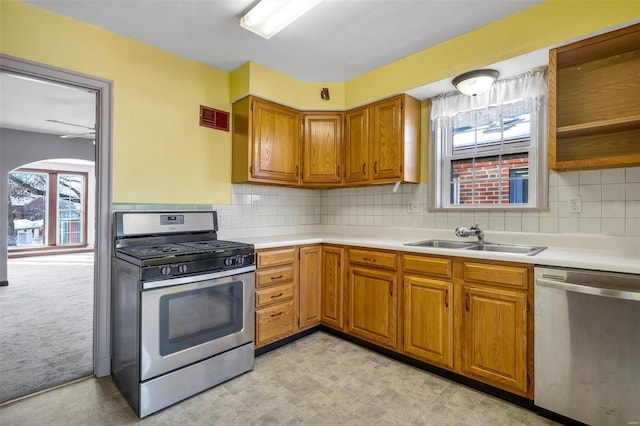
587,345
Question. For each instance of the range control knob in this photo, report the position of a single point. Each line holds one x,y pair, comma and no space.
182,269
228,261
165,270
239,260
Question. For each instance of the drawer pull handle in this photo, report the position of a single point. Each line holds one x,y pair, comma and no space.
466,301
276,315
275,296
446,298
278,277
369,259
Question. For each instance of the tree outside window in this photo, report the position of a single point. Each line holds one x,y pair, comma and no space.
46,208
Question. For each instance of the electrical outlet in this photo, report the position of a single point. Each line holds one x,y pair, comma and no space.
255,206
575,204
413,207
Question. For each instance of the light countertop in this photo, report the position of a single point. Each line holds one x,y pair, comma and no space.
595,252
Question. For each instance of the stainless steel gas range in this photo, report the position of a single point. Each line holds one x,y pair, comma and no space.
182,307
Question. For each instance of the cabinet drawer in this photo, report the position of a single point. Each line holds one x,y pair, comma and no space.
274,323
373,258
276,257
428,265
271,295
274,276
485,273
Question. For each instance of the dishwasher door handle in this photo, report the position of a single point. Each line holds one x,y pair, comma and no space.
586,289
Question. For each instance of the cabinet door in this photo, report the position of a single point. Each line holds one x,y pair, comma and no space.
322,149
373,306
310,292
428,320
357,145
276,141
332,287
495,337
386,139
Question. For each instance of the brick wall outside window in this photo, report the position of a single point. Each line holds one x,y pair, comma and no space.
490,173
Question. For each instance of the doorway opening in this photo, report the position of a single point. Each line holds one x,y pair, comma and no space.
55,171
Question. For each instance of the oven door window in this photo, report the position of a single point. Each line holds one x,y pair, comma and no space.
190,318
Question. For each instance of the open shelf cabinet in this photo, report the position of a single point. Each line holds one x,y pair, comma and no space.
594,102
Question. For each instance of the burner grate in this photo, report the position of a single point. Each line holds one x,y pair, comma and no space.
148,252
215,245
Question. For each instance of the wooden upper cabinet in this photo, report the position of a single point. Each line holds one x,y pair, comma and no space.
383,141
495,337
322,149
357,145
594,102
386,144
376,143
266,142
310,286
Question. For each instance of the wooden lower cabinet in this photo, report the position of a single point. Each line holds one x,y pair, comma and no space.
495,337
274,323
332,306
276,295
428,320
310,286
373,306
469,316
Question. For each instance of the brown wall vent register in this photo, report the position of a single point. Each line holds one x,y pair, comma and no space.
214,118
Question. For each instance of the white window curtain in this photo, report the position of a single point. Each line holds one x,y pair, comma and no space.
531,85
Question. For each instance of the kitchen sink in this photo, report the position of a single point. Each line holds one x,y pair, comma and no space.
492,247
506,248
442,244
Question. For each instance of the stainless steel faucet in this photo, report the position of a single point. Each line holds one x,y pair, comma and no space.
469,232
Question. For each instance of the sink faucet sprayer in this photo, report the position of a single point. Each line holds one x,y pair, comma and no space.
473,231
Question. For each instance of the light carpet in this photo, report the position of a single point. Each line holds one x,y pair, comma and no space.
46,323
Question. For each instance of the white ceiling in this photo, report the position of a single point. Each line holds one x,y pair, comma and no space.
27,104
335,41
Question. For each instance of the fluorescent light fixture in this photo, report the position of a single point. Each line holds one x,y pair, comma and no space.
268,17
473,82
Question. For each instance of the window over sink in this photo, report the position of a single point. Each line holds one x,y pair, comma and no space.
489,151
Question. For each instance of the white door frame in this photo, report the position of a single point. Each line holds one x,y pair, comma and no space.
103,240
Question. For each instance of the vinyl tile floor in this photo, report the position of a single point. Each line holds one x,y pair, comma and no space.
317,380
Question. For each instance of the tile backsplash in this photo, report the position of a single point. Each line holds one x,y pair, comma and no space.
610,206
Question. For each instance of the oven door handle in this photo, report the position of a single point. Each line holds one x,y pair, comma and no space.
149,285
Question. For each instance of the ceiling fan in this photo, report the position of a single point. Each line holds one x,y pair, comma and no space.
91,132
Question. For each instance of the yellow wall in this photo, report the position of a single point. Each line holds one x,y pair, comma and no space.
548,23
160,153
255,79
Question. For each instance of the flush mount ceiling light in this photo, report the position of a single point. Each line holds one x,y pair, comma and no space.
473,82
268,17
